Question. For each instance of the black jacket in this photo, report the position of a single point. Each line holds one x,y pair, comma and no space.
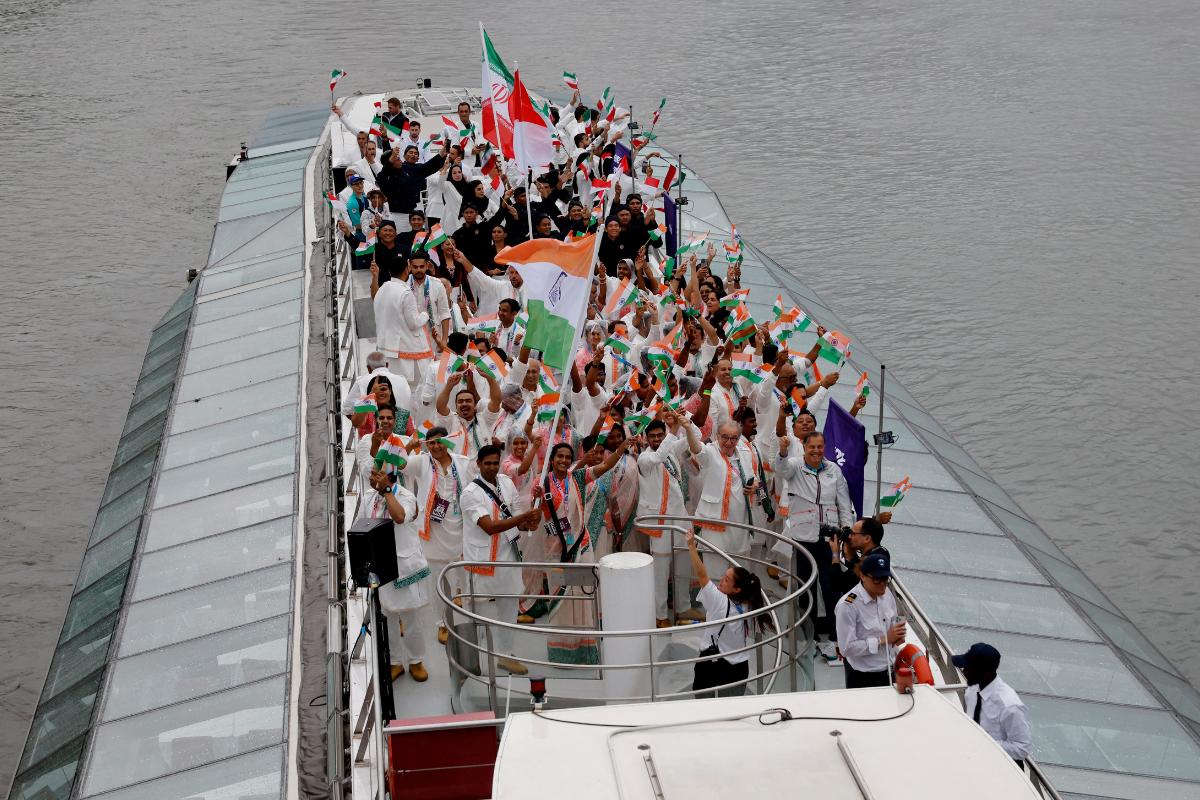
403,185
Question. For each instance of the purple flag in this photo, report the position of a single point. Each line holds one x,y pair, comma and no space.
669,211
846,446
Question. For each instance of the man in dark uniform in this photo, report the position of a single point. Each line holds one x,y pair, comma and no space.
402,178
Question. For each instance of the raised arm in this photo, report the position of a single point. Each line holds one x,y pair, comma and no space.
443,399
697,562
613,457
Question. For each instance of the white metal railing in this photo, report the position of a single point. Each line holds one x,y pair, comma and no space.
783,647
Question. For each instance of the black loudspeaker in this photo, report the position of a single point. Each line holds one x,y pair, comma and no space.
371,546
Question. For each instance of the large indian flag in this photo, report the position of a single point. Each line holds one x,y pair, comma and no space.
497,88
557,279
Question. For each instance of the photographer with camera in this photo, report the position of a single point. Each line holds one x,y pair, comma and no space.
819,505
852,545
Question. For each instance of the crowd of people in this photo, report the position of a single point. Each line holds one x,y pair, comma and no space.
674,404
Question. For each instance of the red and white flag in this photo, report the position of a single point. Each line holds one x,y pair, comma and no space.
532,146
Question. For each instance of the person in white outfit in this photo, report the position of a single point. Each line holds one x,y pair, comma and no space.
661,481
400,325
493,518
993,703
726,494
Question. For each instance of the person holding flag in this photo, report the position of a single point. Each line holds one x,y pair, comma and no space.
400,326
472,427
728,491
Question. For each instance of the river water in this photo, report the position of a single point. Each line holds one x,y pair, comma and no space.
1003,200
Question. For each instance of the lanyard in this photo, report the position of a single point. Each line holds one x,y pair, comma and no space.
427,310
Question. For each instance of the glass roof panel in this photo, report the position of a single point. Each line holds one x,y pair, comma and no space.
952,452
1074,581
214,558
226,437
251,301
225,472
246,324
1108,737
1107,785
167,332
169,351
242,348
252,273
239,508
97,601
201,666
936,509
1026,531
51,778
230,236
273,203
184,736
1178,692
996,605
61,719
119,513
100,560
235,263
284,233
138,468
956,553
182,304
80,656
254,776
267,165
137,440
925,471
1126,636
1057,667
206,609
238,403
149,384
239,375
141,413
986,488
262,187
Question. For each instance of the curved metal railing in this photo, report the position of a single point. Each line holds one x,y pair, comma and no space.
783,639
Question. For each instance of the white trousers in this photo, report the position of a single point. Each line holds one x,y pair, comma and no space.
412,643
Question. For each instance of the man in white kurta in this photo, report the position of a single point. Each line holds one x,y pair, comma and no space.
726,493
400,329
430,296
660,492
493,518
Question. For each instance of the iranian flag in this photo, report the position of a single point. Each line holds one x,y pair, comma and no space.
557,277
339,208
571,81
391,452
376,126
898,492
532,145
334,77
497,90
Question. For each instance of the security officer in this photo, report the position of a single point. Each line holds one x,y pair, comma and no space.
1001,712
867,630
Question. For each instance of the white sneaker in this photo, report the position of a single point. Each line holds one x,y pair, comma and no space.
828,650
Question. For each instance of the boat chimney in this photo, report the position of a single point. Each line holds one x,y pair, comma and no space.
244,154
537,692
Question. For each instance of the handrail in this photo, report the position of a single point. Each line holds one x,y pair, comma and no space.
487,653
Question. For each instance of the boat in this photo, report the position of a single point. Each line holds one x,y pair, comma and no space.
216,645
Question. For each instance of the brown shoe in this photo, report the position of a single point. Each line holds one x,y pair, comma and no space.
397,671
458,602
772,572
418,672
662,623
515,667
692,615
443,634
524,619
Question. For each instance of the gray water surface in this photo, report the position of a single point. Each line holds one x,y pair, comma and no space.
1003,199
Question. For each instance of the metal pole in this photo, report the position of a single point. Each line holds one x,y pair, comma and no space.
879,438
529,200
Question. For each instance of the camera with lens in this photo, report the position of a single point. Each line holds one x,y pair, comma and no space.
831,532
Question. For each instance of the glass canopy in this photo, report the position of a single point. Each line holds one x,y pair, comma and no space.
172,671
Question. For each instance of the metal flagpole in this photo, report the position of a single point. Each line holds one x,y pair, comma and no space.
879,438
570,360
528,199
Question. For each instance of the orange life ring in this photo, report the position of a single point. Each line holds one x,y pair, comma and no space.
912,656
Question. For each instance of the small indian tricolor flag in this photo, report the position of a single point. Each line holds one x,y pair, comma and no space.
657,234
366,248
491,365
570,81
754,374
618,343
547,406
835,347
487,323
606,428
436,236
366,405
777,309
334,77
862,389
735,299
622,298
547,384
893,498
640,420
448,365
692,243
798,399
419,241
391,452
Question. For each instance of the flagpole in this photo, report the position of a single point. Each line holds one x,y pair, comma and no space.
528,200
570,360
879,439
